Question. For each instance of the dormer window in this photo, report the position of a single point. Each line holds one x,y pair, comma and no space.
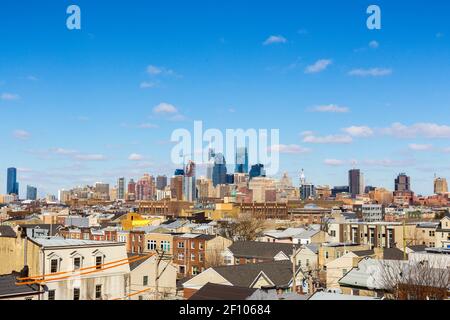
98,262
77,263
54,265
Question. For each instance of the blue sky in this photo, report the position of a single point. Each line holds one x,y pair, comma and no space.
79,106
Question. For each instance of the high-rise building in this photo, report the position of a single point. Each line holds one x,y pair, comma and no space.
355,182
161,182
121,189
219,173
440,186
339,189
241,161
190,190
307,190
12,186
403,183
210,164
257,170
31,193
131,190
176,187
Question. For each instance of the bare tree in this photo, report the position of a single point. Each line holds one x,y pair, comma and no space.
214,257
415,279
244,228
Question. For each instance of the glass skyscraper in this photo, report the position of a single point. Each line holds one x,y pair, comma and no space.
241,160
12,186
31,193
257,170
219,172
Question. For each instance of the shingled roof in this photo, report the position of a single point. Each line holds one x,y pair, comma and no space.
8,287
211,291
7,232
259,250
279,272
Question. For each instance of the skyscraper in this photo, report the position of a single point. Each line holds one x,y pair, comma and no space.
355,182
241,160
121,189
190,191
31,193
257,170
307,190
440,186
161,182
403,183
131,190
219,172
12,186
210,164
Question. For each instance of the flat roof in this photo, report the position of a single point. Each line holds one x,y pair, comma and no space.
47,242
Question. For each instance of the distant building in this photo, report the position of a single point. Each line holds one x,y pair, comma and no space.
161,182
12,186
440,186
219,172
131,190
356,182
257,170
31,193
403,183
241,160
190,190
121,189
339,189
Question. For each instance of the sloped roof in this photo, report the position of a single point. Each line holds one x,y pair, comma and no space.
363,253
393,254
259,250
211,291
279,272
7,232
135,264
8,286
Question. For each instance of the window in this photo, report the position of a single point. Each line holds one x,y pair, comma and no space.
76,263
344,272
307,262
98,262
200,257
165,245
151,244
141,297
145,281
326,255
431,233
181,256
51,295
201,245
192,256
76,293
54,266
192,245
195,270
181,245
227,260
98,292
182,269
236,261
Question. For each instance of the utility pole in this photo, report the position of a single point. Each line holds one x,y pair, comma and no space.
294,282
404,239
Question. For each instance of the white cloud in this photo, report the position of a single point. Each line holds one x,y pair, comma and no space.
135,157
274,39
148,126
155,71
374,44
318,66
427,130
330,139
331,108
63,151
289,149
21,134
420,147
147,85
9,96
164,108
90,157
334,162
373,72
359,131
388,163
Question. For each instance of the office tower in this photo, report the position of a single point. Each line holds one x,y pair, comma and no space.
31,193
145,188
369,189
190,190
440,186
241,162
121,189
307,190
355,182
131,190
403,183
102,188
230,179
210,164
219,173
339,189
12,186
161,182
257,170
176,187
179,172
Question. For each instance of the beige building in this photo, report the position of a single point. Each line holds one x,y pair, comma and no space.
440,186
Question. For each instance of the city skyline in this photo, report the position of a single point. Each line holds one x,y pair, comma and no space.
100,103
